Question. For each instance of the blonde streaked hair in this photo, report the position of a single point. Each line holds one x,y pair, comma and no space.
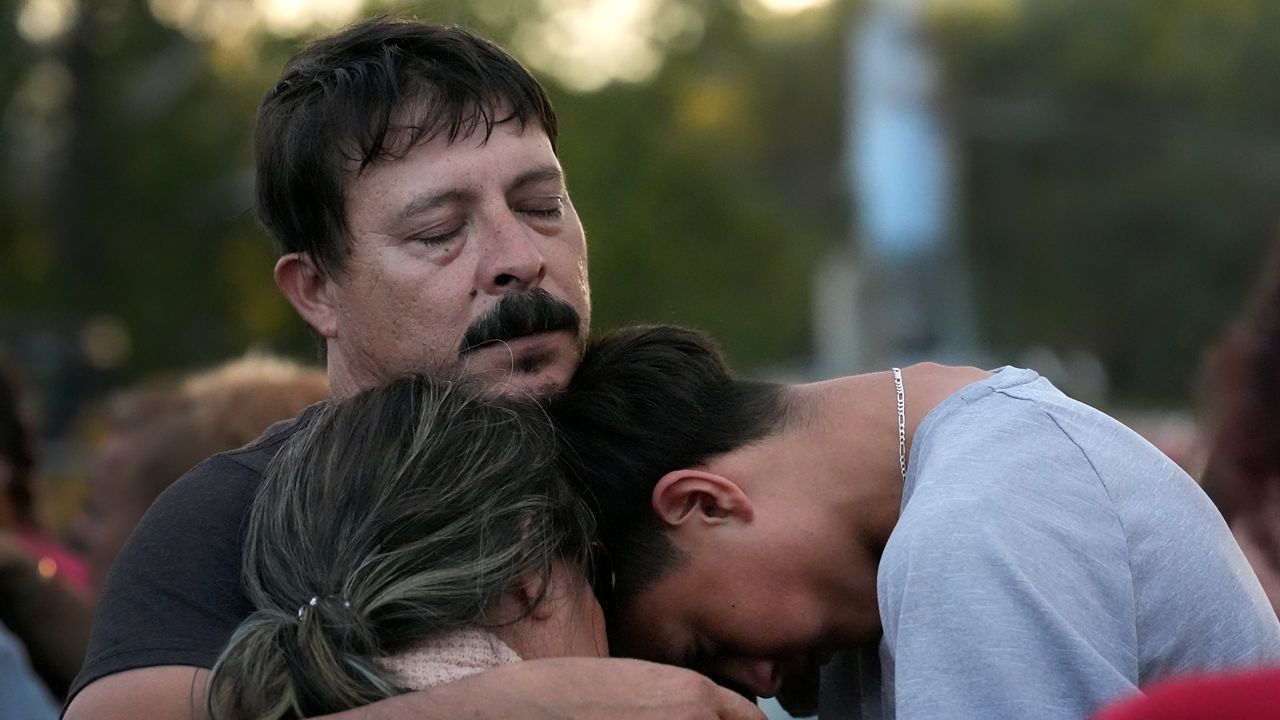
405,511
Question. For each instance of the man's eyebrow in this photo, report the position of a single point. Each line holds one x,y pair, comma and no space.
536,175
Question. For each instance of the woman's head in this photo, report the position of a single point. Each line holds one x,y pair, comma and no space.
408,510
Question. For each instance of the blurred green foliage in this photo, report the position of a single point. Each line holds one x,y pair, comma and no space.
1122,175
707,191
1121,167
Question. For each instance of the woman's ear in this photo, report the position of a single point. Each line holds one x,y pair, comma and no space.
686,496
309,291
534,593
538,594
523,601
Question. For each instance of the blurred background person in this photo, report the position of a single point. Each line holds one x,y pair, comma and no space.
1243,471
42,585
22,694
157,431
17,489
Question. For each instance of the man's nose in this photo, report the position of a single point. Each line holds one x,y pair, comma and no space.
513,260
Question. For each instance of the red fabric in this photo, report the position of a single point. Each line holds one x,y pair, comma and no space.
1238,696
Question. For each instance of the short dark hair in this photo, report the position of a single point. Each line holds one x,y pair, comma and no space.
341,101
646,401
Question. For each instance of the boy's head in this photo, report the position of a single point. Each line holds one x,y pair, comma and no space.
677,455
646,401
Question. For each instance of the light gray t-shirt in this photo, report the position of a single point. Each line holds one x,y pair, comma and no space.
1047,560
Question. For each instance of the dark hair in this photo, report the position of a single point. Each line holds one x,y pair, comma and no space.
646,401
341,103
16,448
1245,403
404,511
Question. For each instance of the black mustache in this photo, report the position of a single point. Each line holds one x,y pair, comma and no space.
520,314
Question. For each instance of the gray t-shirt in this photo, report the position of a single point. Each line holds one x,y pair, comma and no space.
1047,560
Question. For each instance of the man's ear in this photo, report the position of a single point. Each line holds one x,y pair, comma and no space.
308,290
684,496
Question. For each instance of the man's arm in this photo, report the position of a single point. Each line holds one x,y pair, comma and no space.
551,689
165,691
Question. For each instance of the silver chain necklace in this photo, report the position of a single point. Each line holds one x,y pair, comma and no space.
902,423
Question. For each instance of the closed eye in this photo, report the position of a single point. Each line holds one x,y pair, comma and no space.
440,245
440,238
550,214
544,208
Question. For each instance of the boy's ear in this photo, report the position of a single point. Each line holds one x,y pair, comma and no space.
308,291
686,496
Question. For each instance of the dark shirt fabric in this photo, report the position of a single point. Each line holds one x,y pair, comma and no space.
175,593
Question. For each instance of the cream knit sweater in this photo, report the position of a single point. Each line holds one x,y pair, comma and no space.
449,657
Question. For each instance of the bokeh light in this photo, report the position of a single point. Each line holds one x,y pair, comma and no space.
43,21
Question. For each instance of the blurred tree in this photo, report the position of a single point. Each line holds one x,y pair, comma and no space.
129,191
709,191
131,177
1123,173
1120,177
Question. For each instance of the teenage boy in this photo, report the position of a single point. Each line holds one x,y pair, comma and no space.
949,542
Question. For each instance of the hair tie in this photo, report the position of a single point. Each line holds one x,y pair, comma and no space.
315,600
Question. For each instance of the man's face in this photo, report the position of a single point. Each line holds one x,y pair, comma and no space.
438,239
731,613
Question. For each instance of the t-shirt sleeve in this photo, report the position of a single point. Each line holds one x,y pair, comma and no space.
174,594
1008,597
